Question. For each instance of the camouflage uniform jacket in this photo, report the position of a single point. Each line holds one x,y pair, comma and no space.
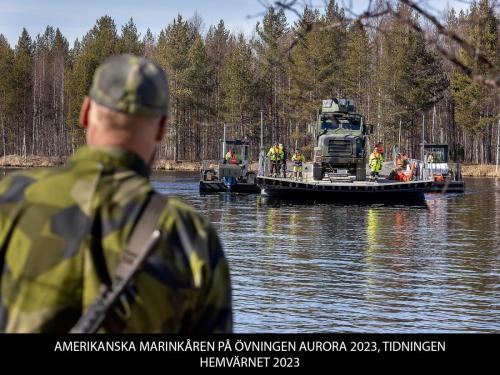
55,224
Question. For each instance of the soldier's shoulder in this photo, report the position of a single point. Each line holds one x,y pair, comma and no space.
21,179
177,207
179,212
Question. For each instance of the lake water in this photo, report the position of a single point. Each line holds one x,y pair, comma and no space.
323,267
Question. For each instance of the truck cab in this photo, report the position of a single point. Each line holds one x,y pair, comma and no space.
340,151
436,160
232,171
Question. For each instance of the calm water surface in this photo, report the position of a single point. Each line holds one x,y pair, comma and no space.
322,267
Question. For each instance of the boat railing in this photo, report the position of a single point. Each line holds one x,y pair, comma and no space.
421,171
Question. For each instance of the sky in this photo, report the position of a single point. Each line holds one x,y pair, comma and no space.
76,17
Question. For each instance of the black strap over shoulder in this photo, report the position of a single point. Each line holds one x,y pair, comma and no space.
140,245
141,234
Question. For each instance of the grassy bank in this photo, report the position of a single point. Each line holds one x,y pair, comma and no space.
479,170
15,161
171,165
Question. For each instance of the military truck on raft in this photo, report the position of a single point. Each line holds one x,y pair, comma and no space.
341,142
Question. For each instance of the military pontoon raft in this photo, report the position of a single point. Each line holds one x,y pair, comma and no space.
382,190
339,167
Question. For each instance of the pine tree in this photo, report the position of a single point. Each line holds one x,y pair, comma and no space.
410,80
50,61
149,44
98,44
172,54
476,106
217,47
198,83
60,61
22,76
7,95
358,67
238,83
272,54
316,66
130,39
306,70
333,35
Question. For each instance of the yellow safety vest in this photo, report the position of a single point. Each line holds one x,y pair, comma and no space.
298,159
375,162
275,154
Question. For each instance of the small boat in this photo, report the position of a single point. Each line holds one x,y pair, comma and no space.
232,173
446,179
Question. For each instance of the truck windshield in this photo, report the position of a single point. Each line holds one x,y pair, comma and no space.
349,125
328,123
436,155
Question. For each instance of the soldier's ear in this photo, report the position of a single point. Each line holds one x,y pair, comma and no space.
84,112
161,129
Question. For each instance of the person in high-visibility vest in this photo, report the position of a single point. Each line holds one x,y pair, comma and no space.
275,155
298,159
375,163
231,157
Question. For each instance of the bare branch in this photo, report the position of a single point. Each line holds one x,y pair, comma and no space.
471,50
492,77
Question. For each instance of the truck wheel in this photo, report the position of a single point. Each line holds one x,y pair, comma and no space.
317,172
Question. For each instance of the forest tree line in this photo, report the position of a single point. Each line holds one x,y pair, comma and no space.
282,72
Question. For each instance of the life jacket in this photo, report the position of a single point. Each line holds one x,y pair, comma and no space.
400,176
274,153
405,176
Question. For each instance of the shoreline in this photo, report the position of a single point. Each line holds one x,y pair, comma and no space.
480,170
33,161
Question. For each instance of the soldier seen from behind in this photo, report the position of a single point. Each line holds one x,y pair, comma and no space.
63,231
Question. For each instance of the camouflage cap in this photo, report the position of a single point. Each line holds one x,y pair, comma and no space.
132,85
